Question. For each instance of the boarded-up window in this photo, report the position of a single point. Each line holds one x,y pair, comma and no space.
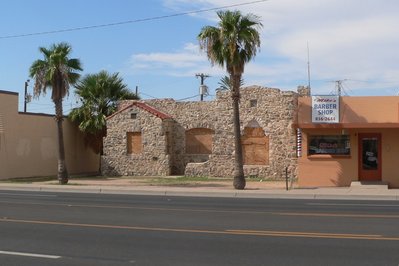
199,141
255,146
134,145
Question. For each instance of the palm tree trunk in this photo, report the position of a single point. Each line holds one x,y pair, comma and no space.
239,179
62,169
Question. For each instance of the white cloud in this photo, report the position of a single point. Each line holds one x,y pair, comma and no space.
348,39
182,63
189,56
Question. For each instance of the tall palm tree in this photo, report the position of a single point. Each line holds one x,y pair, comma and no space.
225,83
232,44
56,71
99,95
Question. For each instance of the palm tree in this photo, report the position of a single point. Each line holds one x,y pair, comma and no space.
225,83
232,44
99,95
56,71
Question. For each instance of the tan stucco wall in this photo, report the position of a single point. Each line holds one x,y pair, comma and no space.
326,170
358,115
28,144
356,110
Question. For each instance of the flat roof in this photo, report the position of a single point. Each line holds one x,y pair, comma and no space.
9,92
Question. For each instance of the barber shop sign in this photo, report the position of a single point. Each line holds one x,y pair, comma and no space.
325,109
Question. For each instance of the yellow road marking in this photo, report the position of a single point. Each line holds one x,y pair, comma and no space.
303,233
350,215
225,232
314,235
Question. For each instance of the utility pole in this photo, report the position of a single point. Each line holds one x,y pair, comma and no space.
26,96
339,86
203,77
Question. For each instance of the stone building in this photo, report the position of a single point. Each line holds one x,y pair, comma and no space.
166,137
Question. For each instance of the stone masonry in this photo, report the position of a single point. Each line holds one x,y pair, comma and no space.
163,125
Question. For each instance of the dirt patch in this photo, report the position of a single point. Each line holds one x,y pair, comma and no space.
169,182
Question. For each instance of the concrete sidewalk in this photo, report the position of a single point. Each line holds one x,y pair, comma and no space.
206,189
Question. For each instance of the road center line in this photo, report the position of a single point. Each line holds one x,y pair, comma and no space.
13,253
347,215
352,204
219,232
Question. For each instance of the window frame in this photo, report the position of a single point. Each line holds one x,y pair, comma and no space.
329,145
130,141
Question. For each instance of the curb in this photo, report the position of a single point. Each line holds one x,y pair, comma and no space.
266,194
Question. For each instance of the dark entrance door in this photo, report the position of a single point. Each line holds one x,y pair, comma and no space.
370,157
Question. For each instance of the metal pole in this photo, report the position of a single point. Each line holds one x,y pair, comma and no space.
286,178
26,95
308,68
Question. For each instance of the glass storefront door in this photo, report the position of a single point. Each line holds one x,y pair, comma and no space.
370,157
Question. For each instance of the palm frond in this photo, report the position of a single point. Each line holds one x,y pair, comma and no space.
56,71
234,42
99,94
226,83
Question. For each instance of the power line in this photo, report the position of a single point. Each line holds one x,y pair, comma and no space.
142,93
191,97
145,94
374,81
128,21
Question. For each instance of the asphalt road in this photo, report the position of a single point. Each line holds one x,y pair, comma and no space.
39,228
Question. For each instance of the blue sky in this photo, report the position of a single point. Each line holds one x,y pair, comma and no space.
351,40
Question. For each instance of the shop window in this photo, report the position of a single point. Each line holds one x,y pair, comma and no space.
255,146
134,143
199,141
329,144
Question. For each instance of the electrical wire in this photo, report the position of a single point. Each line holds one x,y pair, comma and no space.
128,21
187,98
142,93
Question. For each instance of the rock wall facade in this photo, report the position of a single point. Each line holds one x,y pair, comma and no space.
271,109
154,158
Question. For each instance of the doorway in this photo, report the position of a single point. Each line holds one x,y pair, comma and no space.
370,157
